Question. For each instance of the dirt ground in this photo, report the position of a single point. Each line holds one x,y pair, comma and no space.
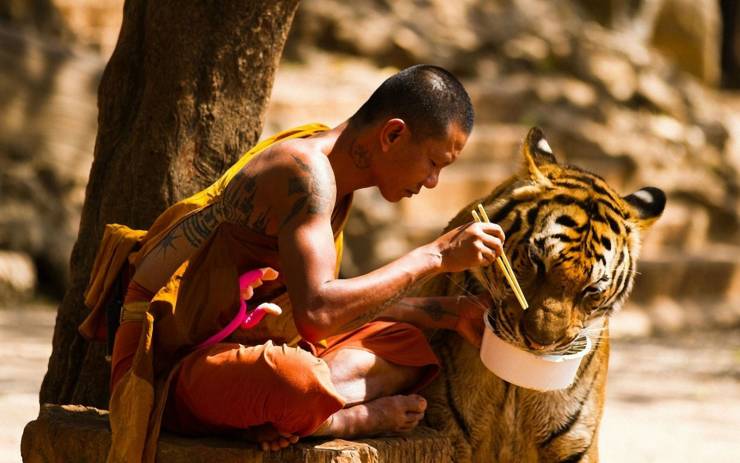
672,399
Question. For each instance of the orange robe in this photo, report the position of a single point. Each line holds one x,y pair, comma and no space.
265,380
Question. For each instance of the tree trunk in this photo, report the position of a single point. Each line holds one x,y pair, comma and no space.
182,97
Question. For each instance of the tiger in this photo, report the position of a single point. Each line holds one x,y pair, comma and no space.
573,244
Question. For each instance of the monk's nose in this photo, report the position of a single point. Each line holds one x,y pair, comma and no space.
432,180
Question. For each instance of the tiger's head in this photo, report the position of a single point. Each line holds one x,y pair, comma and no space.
572,242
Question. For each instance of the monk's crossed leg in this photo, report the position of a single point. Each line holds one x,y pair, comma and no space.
230,387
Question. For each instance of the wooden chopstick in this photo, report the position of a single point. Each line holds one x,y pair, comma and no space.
504,266
506,263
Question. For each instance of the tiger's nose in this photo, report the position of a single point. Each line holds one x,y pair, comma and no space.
541,328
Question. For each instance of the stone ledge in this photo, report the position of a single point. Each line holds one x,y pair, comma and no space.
65,433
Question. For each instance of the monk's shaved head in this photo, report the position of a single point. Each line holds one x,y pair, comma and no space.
428,98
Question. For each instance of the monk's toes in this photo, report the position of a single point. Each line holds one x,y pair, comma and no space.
408,425
416,403
279,441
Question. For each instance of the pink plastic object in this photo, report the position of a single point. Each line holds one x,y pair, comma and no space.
243,319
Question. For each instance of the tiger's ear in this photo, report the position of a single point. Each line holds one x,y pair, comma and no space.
647,205
537,153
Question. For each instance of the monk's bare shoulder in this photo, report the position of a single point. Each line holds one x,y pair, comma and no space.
305,182
289,182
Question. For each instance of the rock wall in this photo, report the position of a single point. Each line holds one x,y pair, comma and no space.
47,134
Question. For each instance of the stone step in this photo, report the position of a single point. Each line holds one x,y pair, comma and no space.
73,433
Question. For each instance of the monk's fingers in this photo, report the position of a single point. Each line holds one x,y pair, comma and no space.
247,293
265,446
270,309
269,273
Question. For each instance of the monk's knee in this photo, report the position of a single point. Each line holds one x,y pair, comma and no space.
303,395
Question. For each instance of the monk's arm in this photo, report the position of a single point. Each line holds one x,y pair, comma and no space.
175,248
442,312
323,305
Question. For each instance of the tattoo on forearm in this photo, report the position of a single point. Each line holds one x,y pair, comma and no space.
168,242
371,314
315,191
434,309
198,227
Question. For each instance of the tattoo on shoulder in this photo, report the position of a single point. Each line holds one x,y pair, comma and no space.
303,166
312,191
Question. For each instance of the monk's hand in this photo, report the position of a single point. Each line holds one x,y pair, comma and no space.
268,274
469,245
470,311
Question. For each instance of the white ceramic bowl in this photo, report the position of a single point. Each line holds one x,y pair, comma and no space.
522,368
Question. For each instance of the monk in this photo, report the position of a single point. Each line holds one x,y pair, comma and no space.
347,356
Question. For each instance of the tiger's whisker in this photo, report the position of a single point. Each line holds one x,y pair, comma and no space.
479,304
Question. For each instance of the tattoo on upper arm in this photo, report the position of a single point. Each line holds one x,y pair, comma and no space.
296,185
260,223
237,204
314,189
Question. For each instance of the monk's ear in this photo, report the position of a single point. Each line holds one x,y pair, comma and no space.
392,131
646,205
536,153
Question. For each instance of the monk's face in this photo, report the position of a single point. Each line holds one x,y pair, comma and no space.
409,163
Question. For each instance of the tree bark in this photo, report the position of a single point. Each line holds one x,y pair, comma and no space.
182,97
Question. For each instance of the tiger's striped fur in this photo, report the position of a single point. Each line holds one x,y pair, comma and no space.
573,244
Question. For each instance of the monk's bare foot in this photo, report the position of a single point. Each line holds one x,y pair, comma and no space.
269,438
398,413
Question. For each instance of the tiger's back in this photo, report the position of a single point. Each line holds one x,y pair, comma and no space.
573,244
